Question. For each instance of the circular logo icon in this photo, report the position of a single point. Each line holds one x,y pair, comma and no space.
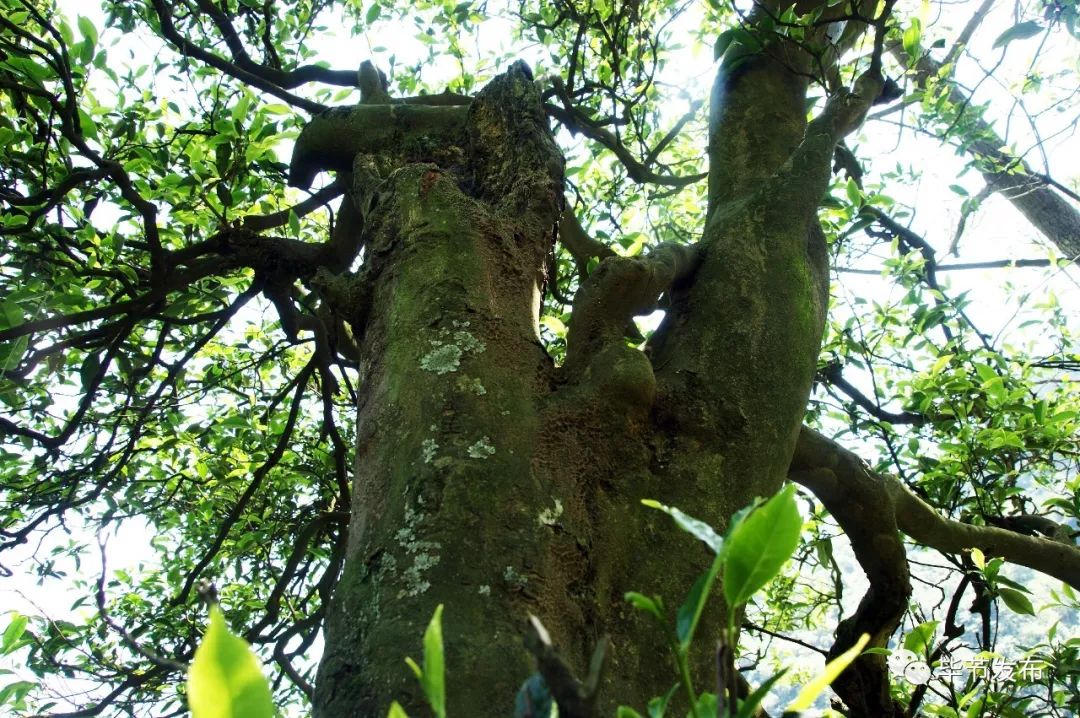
917,672
903,662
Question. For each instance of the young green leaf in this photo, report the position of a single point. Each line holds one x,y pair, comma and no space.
920,640
705,706
225,679
396,711
696,528
643,603
689,613
834,668
760,545
1016,601
658,706
434,678
13,633
911,38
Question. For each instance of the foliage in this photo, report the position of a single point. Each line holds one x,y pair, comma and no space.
154,384
225,679
762,536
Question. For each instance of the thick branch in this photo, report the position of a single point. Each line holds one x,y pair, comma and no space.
578,242
333,139
862,504
187,47
922,523
1012,177
285,80
620,289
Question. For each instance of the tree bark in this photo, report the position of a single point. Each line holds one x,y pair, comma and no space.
491,481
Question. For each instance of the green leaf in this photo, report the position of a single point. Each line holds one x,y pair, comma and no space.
834,668
760,545
225,679
911,39
88,30
978,558
1021,31
748,706
11,352
396,711
89,369
434,679
14,693
723,40
853,194
1016,601
694,527
705,706
626,712
294,224
690,611
13,633
373,13
920,640
986,372
658,706
643,603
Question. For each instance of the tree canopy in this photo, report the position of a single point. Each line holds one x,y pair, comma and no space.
200,204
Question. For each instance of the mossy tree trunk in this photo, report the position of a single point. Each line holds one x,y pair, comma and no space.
493,482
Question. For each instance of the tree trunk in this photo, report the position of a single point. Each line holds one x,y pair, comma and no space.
491,481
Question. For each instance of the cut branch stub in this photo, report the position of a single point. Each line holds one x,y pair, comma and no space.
418,133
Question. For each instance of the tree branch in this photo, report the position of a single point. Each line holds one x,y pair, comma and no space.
1012,177
187,47
923,524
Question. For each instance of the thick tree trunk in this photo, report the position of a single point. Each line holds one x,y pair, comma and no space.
498,485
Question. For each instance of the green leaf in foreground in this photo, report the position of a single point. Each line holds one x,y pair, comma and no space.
396,711
432,675
689,613
225,679
695,527
757,548
834,668
434,678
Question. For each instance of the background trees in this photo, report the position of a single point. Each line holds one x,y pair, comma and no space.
179,355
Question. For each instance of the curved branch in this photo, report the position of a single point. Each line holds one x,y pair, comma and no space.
861,503
620,289
187,47
923,524
285,80
576,121
1031,193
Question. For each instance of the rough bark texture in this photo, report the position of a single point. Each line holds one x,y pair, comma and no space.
498,485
